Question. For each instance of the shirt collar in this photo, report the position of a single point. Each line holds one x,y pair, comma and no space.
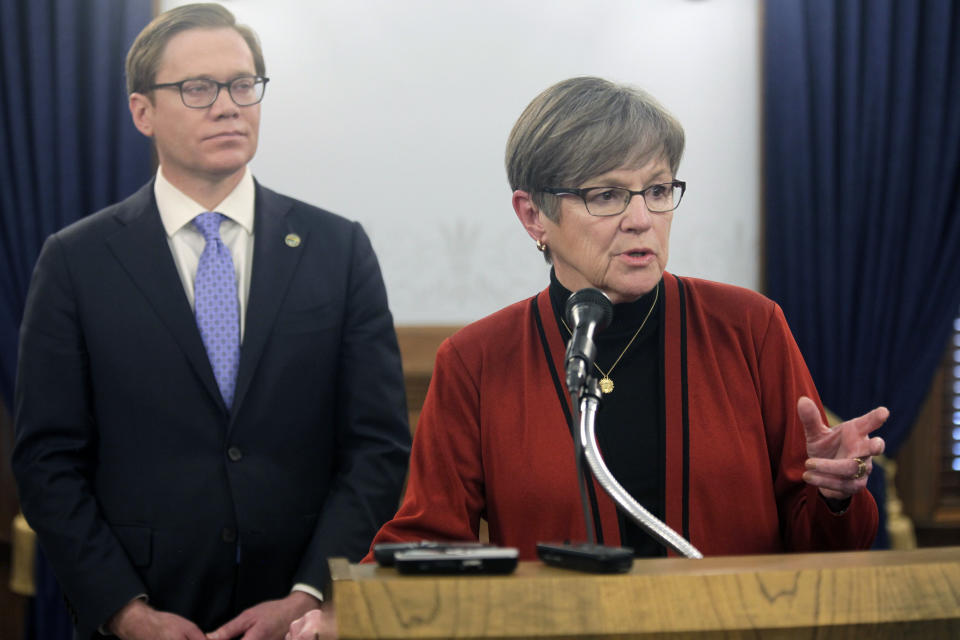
178,209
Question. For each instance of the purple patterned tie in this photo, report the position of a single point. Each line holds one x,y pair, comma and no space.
217,307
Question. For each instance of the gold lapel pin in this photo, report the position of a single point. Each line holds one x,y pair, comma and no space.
292,240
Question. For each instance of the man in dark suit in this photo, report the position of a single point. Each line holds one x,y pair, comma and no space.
209,399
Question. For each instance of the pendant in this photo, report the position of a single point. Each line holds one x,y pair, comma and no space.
606,384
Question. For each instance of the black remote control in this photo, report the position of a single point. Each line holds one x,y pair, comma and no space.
587,557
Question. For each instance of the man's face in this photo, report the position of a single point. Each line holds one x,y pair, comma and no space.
210,144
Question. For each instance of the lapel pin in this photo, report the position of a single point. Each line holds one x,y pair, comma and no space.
292,240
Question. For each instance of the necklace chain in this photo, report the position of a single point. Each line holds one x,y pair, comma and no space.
606,383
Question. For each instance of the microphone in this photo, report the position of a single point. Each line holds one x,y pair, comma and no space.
588,311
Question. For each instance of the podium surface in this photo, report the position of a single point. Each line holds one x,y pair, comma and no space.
870,594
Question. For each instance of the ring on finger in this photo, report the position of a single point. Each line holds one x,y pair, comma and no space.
861,468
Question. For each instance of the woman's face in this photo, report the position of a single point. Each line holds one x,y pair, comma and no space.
623,255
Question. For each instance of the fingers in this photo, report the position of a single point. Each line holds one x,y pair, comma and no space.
839,478
141,622
298,629
842,468
295,628
315,625
810,417
193,632
834,487
231,629
871,421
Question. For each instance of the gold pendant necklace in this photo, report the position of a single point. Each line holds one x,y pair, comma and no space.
606,383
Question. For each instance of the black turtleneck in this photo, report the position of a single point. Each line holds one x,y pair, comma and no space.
629,421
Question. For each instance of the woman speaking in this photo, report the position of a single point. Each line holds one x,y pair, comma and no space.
709,416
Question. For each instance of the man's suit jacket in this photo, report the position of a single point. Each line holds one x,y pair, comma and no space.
137,477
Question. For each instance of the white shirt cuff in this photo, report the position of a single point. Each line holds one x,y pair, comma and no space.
309,590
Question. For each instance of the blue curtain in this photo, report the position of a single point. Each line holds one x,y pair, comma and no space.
862,195
67,148
67,144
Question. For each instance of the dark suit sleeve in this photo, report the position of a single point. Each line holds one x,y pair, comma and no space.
373,437
55,447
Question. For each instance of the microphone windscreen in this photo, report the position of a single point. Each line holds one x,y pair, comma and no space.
589,304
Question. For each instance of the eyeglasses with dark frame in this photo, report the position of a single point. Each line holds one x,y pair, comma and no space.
200,93
611,201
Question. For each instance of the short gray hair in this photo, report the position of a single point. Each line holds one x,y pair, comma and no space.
583,127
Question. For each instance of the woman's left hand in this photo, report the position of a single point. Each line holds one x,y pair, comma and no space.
840,458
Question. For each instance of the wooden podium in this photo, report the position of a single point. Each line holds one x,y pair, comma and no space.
861,595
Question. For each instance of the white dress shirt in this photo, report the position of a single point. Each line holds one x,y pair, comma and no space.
177,211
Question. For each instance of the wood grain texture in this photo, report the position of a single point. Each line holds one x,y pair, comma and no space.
881,594
418,346
418,349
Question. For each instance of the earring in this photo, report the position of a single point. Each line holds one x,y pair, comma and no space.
541,247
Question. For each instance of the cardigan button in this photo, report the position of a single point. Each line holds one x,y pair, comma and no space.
234,454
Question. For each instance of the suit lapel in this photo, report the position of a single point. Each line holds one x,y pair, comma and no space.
141,248
279,240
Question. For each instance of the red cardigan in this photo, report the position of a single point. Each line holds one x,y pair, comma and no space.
492,440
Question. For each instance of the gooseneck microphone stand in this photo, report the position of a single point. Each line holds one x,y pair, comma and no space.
578,451
588,311
587,410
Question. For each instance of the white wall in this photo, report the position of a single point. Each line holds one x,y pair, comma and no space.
396,112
